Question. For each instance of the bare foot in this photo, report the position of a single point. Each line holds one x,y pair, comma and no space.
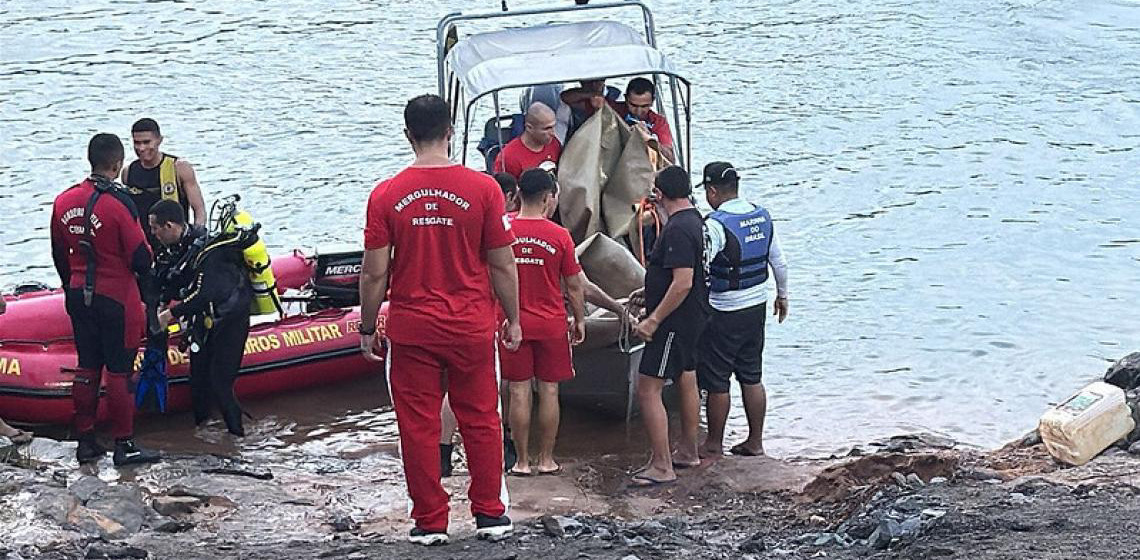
685,460
548,466
747,449
710,449
652,476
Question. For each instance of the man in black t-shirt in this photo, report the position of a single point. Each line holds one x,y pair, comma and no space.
675,303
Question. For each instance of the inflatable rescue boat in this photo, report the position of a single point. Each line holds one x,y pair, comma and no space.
319,345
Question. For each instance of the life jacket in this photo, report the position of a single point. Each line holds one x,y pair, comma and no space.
168,179
743,262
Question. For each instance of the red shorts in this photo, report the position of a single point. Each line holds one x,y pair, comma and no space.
547,359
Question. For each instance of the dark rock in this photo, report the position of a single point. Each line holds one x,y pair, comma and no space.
1134,448
650,528
1125,373
122,504
861,528
1029,440
175,506
90,522
86,487
344,523
637,541
561,526
910,528
753,545
56,505
980,473
186,491
914,442
887,531
239,470
99,550
174,526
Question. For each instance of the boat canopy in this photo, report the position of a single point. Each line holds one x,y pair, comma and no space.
552,53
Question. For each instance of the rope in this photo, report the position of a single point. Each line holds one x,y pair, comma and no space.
625,334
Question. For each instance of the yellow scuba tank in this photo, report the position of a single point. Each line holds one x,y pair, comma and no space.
265,297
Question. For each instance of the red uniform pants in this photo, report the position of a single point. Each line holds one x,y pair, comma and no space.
418,378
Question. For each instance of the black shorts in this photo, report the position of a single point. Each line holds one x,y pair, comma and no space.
669,353
733,342
101,333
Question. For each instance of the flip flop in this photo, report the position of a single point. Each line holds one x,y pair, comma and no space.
679,465
739,449
553,472
643,481
513,472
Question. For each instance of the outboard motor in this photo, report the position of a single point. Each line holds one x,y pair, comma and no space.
337,279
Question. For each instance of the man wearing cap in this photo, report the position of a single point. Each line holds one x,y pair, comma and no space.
743,248
674,301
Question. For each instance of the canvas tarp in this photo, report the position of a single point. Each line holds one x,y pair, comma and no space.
610,266
604,170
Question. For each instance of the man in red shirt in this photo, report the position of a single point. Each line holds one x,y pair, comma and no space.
637,110
544,254
103,261
436,232
537,146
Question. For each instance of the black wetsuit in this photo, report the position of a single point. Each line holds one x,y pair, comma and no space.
216,300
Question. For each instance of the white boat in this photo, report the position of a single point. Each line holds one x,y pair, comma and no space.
486,58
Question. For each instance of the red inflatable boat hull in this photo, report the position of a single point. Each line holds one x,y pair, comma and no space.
297,352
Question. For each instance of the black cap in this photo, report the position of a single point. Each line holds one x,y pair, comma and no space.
719,173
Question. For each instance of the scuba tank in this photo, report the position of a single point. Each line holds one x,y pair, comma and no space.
230,220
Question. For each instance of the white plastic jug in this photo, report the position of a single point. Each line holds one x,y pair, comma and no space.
1085,424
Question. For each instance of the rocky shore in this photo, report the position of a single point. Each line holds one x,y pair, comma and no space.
908,497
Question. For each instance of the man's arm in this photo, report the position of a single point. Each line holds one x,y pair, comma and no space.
59,251
575,289
596,296
779,267
373,289
505,280
191,188
674,296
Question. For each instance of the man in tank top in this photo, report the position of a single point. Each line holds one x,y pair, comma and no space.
156,175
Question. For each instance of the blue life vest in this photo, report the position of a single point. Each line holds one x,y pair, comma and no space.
743,262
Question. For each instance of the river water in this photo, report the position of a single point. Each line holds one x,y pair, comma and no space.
954,183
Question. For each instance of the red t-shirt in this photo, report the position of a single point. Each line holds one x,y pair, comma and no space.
544,254
653,121
441,221
516,157
117,237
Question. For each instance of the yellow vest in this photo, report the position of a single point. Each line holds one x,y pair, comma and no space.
168,179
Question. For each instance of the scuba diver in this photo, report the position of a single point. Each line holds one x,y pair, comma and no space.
207,273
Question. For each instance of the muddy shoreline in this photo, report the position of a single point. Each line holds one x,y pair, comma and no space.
907,497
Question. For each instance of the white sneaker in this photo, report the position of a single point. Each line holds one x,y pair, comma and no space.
426,538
